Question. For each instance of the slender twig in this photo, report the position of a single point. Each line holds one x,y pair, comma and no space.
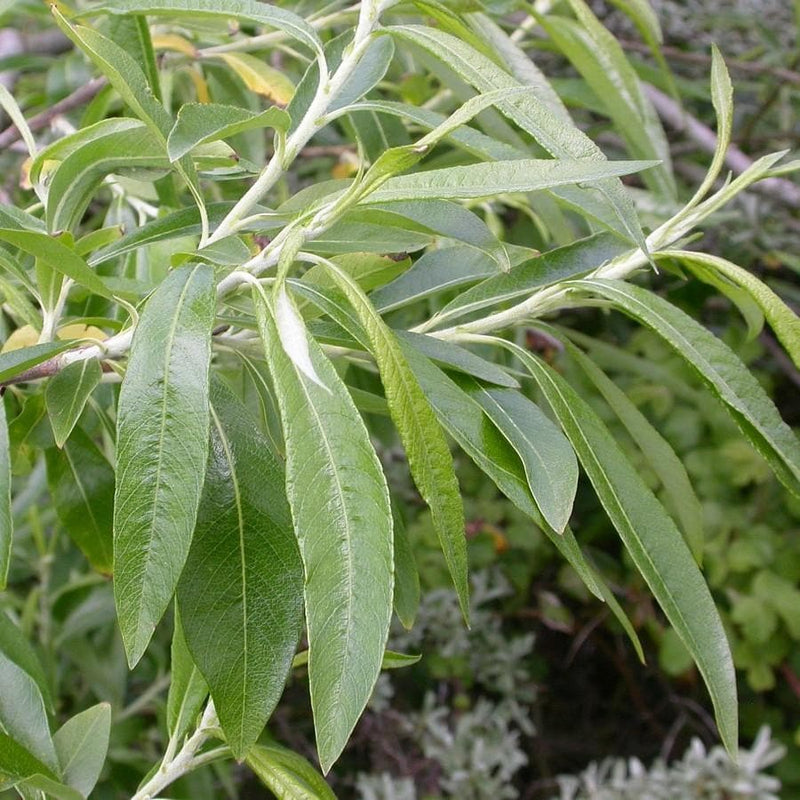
144,699
751,67
676,117
78,98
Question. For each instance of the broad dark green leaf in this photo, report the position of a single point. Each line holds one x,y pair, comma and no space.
428,454
287,774
531,114
17,763
453,356
549,460
15,646
162,445
81,745
548,268
240,595
198,123
657,450
343,526
718,367
250,10
498,177
66,395
56,255
652,539
187,687
22,713
81,482
6,520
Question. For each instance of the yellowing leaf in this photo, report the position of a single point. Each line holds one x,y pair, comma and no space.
260,77
26,336
78,331
200,86
171,41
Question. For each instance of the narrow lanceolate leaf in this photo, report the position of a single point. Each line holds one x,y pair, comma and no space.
718,367
406,576
549,460
428,454
198,123
498,177
260,77
250,10
187,687
14,645
652,539
66,395
781,318
82,745
548,268
56,255
240,595
162,445
287,774
81,483
531,114
343,522
657,450
6,522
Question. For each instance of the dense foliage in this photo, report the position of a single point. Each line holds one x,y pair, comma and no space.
274,262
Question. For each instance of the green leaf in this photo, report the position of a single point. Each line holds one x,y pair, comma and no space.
187,688
162,445
287,774
406,576
531,114
781,318
6,520
198,123
551,267
240,594
51,788
602,62
499,177
428,454
249,10
344,528
134,151
549,460
718,367
452,356
17,763
22,713
15,646
658,452
56,255
132,34
81,482
82,744
650,536
66,395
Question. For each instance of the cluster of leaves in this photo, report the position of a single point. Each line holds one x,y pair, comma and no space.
200,348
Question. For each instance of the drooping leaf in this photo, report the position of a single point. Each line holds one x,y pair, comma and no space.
240,595
187,687
549,460
57,256
651,537
82,743
406,576
497,177
198,123
658,452
66,395
429,457
718,367
81,483
15,646
162,444
344,529
287,774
